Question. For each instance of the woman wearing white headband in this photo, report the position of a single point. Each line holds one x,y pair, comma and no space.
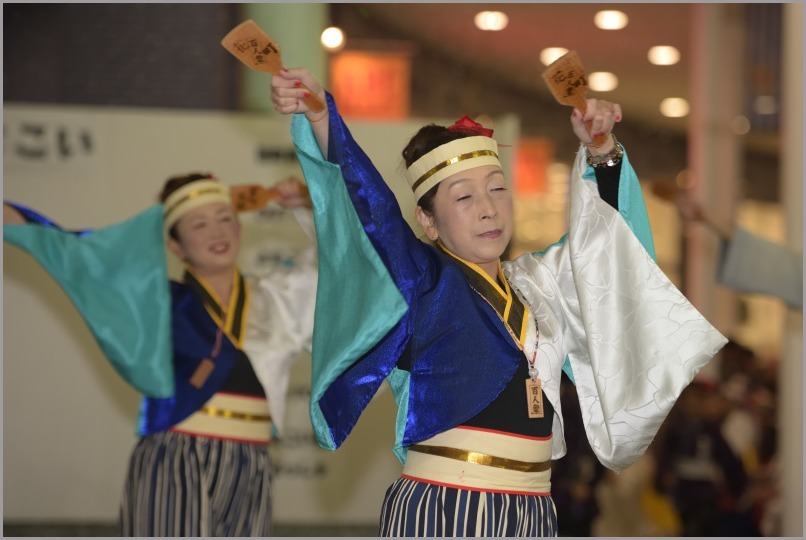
473,348
211,353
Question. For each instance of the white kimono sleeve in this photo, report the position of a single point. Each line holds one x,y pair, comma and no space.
633,340
280,323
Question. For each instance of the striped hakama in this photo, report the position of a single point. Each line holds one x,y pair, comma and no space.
413,508
184,485
446,491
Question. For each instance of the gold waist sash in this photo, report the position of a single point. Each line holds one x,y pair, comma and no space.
232,417
481,459
226,413
498,462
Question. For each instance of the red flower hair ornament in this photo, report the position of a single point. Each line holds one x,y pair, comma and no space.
466,125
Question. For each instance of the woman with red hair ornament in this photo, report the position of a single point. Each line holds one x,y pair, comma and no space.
473,347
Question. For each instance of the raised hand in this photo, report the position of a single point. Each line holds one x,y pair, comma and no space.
293,193
603,116
287,93
287,96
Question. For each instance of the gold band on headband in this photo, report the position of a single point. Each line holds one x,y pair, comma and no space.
451,158
191,196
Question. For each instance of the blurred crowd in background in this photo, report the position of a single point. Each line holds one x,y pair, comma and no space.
711,471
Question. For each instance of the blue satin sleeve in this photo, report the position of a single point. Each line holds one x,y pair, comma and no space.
32,216
361,318
403,254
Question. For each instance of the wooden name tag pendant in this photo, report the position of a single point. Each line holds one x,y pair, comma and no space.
202,373
534,398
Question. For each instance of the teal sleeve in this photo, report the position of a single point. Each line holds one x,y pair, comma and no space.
357,302
631,204
117,279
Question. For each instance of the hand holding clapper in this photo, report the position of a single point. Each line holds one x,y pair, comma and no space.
255,48
565,78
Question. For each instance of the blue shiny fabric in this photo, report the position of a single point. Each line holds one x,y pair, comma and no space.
32,216
457,334
194,334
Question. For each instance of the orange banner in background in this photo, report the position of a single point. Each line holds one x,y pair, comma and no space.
533,159
371,85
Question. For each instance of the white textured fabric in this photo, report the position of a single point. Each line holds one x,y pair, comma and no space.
280,322
633,340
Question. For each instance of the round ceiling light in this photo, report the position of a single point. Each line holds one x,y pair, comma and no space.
491,20
674,107
663,55
333,38
610,20
602,81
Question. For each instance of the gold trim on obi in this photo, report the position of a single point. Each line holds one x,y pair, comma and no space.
481,459
484,460
232,417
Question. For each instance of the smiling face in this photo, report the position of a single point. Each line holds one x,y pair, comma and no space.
209,238
472,216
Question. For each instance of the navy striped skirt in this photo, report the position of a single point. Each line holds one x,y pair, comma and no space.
413,508
181,485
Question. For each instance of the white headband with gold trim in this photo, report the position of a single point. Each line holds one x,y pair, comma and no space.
191,196
450,158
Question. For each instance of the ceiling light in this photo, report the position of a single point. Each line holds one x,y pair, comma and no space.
663,55
550,54
333,38
602,81
674,107
491,20
740,125
610,20
765,105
